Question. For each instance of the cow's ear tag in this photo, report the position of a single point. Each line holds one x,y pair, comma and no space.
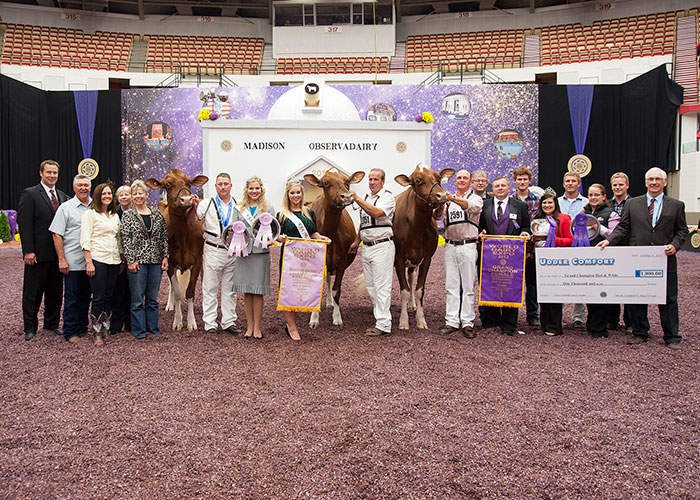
444,180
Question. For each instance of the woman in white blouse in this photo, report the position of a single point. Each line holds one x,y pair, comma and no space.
99,239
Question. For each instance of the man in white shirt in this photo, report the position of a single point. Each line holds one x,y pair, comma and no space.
66,228
460,215
620,184
571,204
217,266
377,235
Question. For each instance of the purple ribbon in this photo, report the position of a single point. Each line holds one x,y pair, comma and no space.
85,112
581,231
264,235
238,244
552,234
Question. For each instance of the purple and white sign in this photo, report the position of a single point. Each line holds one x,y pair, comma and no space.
301,283
502,271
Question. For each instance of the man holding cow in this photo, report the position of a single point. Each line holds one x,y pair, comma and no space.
376,233
217,266
460,216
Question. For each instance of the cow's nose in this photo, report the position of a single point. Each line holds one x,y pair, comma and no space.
346,197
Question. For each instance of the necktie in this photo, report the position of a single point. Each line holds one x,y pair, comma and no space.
499,211
54,201
651,211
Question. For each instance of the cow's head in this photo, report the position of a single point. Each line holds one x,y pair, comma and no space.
336,186
425,183
177,187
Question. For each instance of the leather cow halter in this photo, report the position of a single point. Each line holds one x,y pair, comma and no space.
428,202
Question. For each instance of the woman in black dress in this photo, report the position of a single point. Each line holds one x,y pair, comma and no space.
296,221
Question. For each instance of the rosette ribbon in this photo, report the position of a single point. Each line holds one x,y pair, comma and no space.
238,245
264,235
580,231
552,234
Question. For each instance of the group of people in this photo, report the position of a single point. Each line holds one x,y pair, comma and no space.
111,251
650,219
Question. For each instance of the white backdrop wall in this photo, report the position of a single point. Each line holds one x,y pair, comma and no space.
314,41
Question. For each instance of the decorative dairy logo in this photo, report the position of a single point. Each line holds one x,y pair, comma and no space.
305,253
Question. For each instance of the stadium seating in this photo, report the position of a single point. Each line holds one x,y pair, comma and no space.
207,55
313,65
65,48
464,51
640,36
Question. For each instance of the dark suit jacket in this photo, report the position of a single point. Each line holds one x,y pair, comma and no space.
635,225
516,207
34,216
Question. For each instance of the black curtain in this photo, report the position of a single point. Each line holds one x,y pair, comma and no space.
632,128
36,125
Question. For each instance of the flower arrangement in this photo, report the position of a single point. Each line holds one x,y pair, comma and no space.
424,117
204,114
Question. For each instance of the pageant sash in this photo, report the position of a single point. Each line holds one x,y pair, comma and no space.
299,225
502,273
302,273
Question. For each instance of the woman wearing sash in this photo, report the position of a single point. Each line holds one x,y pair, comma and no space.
559,236
598,206
252,277
296,221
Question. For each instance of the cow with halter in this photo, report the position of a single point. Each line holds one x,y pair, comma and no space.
416,235
333,220
185,240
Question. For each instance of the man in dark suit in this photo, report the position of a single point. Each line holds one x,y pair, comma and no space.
37,206
654,219
503,215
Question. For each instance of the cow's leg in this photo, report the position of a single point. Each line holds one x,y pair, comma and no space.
411,276
194,274
329,287
176,292
420,292
405,292
171,297
337,283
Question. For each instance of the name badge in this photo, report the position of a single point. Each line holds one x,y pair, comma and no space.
513,216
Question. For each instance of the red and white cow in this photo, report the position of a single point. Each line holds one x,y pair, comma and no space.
416,234
333,220
185,241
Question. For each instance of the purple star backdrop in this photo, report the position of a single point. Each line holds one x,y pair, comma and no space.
458,144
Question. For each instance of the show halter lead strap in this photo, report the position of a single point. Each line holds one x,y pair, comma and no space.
299,225
264,235
581,231
54,201
238,244
552,234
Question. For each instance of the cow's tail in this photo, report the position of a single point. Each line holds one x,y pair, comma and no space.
360,285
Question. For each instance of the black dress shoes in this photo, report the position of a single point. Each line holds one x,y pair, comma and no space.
29,335
57,331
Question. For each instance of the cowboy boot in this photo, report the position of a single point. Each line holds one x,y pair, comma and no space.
106,324
96,329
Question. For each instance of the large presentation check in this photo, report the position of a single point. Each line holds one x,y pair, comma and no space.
589,275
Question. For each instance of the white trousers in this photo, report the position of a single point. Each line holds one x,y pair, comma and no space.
378,268
460,273
217,269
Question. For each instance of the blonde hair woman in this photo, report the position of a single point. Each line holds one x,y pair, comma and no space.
252,276
296,221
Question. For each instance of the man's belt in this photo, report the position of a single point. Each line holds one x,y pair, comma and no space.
377,242
214,245
460,242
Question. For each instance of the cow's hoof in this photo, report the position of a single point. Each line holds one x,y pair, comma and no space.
403,327
177,328
338,324
422,326
313,326
169,308
191,328
411,309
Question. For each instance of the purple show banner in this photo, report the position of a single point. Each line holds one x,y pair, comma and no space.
502,273
303,269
